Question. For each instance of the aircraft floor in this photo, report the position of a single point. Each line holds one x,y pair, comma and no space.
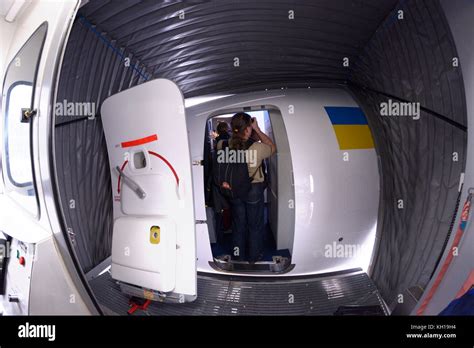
229,295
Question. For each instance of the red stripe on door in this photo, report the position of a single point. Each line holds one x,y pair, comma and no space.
140,141
120,176
156,155
167,163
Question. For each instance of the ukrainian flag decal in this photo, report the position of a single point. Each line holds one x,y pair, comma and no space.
351,127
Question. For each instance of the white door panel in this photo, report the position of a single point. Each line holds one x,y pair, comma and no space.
133,249
200,204
147,140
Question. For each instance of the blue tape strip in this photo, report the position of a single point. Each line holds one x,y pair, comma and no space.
109,44
340,115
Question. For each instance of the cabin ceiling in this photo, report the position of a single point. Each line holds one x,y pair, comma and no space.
199,52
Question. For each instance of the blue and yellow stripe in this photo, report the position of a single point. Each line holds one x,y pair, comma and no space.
351,127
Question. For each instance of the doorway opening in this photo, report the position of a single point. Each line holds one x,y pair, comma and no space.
279,190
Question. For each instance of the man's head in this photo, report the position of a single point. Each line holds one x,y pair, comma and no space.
222,128
241,124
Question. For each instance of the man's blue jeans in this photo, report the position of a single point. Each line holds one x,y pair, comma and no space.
248,225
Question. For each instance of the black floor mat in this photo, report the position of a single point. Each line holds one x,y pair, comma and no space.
263,296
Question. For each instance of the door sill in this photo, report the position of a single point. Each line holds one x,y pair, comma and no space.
279,265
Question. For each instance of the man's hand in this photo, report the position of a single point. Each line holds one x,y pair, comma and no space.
255,135
255,126
263,137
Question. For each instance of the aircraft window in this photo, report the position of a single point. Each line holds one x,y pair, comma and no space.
18,99
20,80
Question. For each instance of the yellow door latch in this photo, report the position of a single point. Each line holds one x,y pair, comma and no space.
155,234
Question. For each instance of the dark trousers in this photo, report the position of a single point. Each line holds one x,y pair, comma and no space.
219,228
248,225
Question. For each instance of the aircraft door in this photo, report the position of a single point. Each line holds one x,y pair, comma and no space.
153,245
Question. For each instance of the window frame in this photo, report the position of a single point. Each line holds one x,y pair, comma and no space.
8,182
